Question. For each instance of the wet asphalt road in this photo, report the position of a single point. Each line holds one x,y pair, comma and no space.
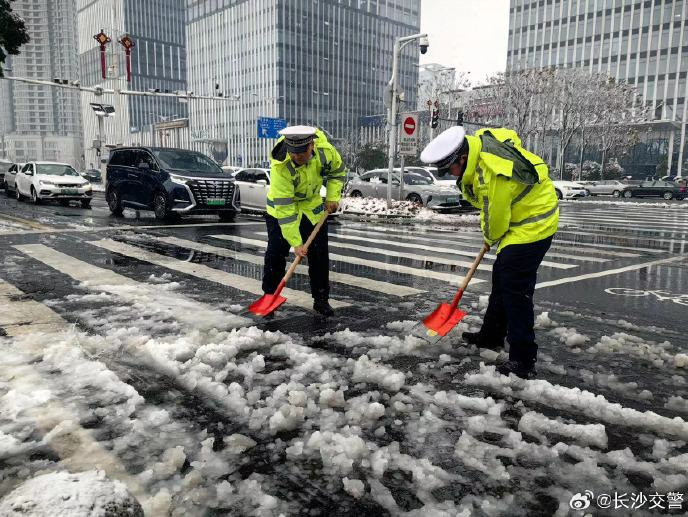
613,268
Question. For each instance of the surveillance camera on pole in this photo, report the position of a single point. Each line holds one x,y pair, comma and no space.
101,111
424,43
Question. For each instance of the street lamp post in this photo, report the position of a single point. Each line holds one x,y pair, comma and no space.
393,89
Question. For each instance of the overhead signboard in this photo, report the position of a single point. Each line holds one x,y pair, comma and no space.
269,127
408,136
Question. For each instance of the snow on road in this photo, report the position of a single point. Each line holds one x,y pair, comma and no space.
252,422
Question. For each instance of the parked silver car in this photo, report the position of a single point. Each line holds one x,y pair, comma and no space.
605,187
417,189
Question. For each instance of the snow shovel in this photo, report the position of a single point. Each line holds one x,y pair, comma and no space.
269,303
446,316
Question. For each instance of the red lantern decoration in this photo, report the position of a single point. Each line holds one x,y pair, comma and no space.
102,40
128,44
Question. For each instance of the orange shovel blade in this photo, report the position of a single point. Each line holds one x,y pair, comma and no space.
267,304
443,319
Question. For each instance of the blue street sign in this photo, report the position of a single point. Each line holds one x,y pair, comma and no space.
268,127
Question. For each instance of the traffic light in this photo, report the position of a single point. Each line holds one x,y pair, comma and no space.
435,119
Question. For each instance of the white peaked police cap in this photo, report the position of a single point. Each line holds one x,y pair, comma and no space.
297,138
443,150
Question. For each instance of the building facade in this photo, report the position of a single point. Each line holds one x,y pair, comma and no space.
42,122
321,63
158,62
642,42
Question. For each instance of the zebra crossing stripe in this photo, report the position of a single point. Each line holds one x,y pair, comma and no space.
25,316
241,283
457,251
344,278
375,264
75,445
582,247
435,249
185,309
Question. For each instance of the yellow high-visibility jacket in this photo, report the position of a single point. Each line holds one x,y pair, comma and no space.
511,187
295,190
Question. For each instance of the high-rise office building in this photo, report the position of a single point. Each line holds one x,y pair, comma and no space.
322,63
43,122
158,62
642,42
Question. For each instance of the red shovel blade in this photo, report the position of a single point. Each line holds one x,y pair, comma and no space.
443,319
267,304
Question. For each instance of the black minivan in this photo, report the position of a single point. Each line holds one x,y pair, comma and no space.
170,182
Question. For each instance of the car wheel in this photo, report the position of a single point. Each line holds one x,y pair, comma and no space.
356,193
668,195
34,197
559,194
160,206
628,194
227,217
17,195
616,193
114,201
8,192
414,198
85,203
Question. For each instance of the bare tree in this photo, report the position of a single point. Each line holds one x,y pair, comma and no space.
620,115
516,100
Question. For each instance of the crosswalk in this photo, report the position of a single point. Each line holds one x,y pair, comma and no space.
368,261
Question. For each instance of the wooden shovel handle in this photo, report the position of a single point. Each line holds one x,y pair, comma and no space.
307,245
474,266
469,275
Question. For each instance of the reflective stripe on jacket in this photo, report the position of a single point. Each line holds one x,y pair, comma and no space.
295,190
511,187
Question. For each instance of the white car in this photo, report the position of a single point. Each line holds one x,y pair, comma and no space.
254,184
11,178
605,187
569,189
231,169
41,181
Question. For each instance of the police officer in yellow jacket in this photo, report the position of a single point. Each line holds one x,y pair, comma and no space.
301,162
519,214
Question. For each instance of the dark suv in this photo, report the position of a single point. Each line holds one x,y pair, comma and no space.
169,182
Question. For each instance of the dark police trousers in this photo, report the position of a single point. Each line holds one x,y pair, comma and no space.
510,309
278,250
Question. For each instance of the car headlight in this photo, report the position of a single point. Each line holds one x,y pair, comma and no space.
177,179
45,182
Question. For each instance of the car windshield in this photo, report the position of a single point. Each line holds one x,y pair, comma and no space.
420,171
54,169
186,160
415,179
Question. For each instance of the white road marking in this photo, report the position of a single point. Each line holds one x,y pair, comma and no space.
608,272
558,243
123,227
250,285
184,309
390,253
394,268
344,278
457,251
77,448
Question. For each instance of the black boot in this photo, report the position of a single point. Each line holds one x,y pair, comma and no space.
474,338
323,307
518,368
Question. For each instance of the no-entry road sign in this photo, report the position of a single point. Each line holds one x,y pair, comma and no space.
408,139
